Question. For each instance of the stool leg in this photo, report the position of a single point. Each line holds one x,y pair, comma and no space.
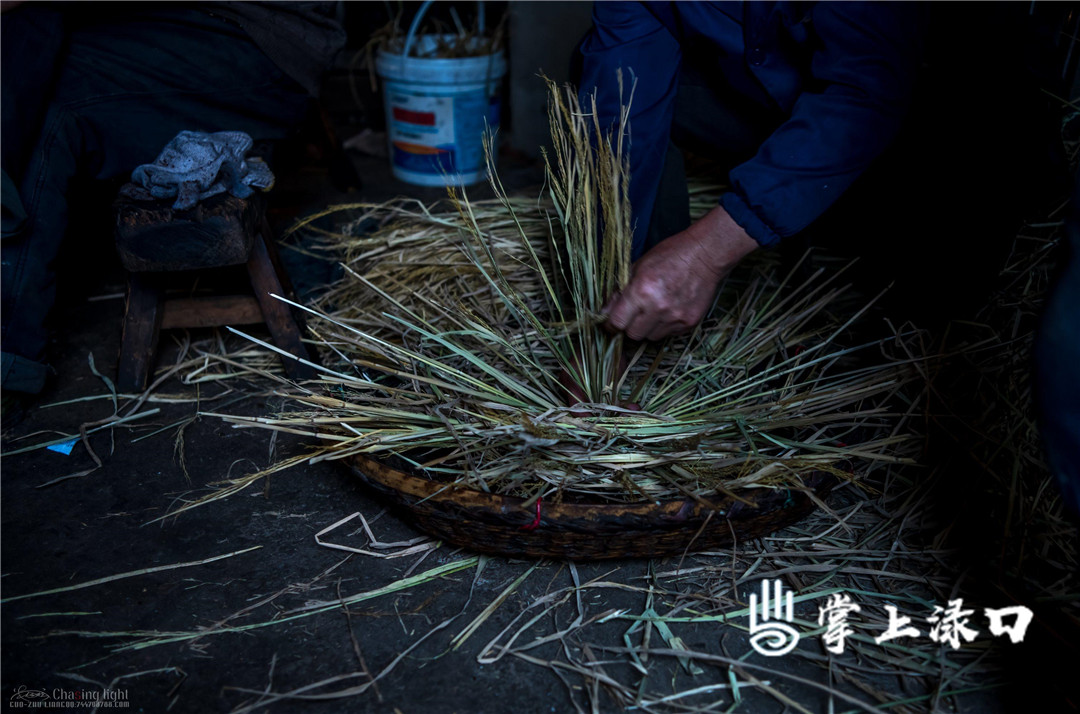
142,322
275,260
277,315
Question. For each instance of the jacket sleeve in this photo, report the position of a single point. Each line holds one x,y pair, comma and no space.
627,36
863,66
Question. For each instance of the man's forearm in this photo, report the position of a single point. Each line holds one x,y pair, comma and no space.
729,242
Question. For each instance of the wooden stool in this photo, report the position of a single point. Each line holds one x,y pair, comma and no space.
153,240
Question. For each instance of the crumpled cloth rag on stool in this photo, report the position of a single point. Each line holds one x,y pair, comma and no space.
196,165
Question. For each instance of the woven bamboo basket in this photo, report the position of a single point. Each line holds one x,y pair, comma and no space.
503,525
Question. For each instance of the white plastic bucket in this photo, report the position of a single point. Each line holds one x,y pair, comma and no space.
437,111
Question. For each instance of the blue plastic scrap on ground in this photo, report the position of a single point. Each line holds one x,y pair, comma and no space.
63,447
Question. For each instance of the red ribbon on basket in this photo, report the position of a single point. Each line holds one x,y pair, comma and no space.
536,521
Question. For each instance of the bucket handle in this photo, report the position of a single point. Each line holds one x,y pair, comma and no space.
420,16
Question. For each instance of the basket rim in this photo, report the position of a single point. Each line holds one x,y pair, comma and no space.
425,489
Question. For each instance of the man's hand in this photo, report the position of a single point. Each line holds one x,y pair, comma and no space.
673,285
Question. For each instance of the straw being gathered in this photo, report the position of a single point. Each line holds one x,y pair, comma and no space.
487,364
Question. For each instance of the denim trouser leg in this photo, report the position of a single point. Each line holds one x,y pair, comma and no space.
1057,368
125,87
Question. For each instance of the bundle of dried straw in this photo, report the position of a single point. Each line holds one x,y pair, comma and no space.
452,329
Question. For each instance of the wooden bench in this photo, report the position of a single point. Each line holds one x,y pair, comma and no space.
156,242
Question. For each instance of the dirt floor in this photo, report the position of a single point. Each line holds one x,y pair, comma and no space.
234,606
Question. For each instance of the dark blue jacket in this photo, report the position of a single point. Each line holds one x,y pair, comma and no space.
841,72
